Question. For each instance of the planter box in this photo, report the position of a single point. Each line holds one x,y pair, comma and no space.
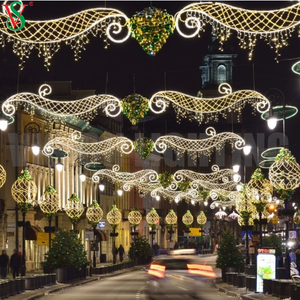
275,288
241,280
30,283
295,291
64,275
284,288
267,286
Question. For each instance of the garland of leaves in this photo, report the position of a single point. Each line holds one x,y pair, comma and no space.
203,193
245,215
285,154
134,107
50,190
165,179
184,185
260,205
285,194
257,175
143,147
25,176
24,206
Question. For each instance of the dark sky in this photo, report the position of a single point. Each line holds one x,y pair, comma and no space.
179,59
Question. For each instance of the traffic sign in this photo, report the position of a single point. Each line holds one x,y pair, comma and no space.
42,238
244,235
194,232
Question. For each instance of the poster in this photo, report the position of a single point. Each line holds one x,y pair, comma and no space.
266,267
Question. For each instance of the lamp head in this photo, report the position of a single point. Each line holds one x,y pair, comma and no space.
82,177
272,122
101,187
247,149
3,124
35,149
120,192
59,166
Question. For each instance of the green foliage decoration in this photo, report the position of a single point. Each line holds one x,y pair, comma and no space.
286,155
184,185
143,147
260,205
245,215
66,251
228,255
285,194
25,175
140,248
135,107
165,179
203,193
273,241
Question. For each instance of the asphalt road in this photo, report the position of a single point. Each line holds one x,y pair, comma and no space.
127,286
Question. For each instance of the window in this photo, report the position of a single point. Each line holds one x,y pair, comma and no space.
221,74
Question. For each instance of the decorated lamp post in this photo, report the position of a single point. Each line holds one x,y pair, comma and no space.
187,219
152,219
74,209
284,174
171,220
134,219
24,192
94,214
49,205
114,218
201,220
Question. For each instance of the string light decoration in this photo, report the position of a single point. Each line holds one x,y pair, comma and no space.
134,217
94,213
274,26
73,30
74,208
152,218
24,191
194,148
259,186
284,174
143,147
201,219
296,218
208,109
85,108
221,214
151,27
201,184
171,218
73,143
187,219
49,202
223,194
114,217
222,203
134,107
2,176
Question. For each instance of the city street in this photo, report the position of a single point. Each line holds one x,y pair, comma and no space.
129,286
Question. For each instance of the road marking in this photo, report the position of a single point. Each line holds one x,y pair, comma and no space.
138,294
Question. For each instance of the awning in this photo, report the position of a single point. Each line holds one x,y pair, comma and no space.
31,232
101,235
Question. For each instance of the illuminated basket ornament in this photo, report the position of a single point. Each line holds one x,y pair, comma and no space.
134,217
274,26
74,208
46,36
2,176
195,148
114,217
24,191
284,174
201,219
143,147
171,218
296,218
49,202
134,107
152,218
94,213
151,27
86,108
187,219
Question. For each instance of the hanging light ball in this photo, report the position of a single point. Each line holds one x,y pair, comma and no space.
201,218
152,217
284,174
270,207
134,217
49,202
114,217
94,213
74,208
260,186
171,218
2,176
296,218
24,191
187,219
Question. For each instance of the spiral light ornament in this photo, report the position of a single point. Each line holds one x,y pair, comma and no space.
2,176
24,191
171,218
152,217
94,213
201,219
187,219
134,217
74,208
49,202
114,217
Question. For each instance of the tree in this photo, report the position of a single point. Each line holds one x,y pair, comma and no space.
66,251
273,241
140,249
228,254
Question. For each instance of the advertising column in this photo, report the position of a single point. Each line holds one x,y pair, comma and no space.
265,267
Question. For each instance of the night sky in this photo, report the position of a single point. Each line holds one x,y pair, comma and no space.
179,59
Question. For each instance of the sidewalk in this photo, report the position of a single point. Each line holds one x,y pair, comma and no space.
240,293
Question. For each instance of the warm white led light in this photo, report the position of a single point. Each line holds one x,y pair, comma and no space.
35,149
272,122
3,124
236,168
247,149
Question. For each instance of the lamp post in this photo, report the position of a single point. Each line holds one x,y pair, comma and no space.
171,220
32,128
201,220
152,219
24,192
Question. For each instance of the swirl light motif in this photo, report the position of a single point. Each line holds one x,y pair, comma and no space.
208,109
218,203
73,30
198,184
194,148
85,108
274,26
119,143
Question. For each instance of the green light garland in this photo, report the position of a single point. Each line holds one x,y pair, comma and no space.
165,179
143,147
184,185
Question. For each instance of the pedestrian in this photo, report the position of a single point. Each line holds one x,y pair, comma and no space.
4,263
15,263
121,252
